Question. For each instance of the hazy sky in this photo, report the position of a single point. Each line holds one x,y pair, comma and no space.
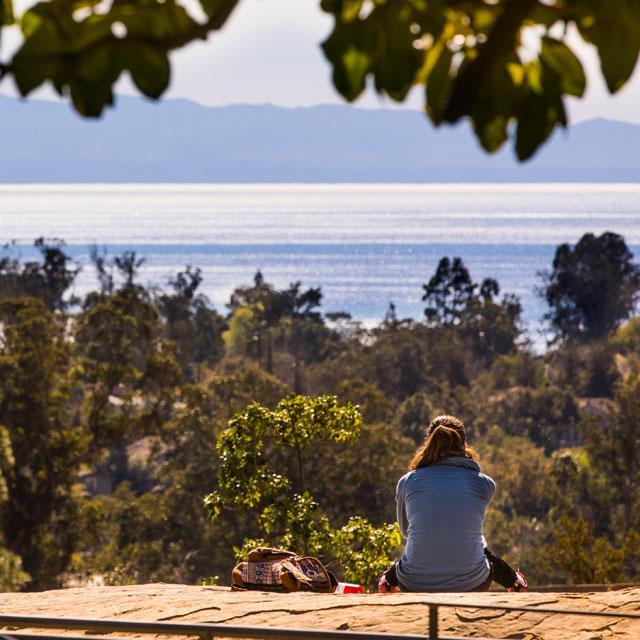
269,52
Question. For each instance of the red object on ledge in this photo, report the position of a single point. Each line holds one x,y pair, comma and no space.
349,587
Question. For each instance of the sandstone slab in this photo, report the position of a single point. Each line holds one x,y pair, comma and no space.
395,613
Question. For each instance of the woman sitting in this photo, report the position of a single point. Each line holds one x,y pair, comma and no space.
441,504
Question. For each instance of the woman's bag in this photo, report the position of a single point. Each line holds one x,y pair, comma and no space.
269,569
505,575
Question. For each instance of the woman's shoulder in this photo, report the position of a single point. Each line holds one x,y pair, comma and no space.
458,463
489,479
400,486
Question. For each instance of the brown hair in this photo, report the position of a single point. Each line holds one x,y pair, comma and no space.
446,437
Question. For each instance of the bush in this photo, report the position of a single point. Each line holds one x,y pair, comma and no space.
12,577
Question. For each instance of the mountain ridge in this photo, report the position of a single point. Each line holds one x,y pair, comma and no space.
181,141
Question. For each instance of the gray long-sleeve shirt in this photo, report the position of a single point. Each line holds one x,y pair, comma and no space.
440,511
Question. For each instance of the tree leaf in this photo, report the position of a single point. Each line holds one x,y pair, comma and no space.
149,69
6,12
439,85
540,108
29,77
350,76
89,98
396,59
613,26
218,11
90,85
532,128
563,61
351,9
493,108
350,50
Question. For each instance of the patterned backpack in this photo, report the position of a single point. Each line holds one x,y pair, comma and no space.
268,569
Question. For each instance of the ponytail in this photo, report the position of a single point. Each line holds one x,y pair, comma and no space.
445,438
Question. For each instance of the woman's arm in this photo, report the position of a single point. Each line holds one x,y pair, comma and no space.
491,487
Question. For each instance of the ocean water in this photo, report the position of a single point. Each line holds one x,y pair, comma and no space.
365,245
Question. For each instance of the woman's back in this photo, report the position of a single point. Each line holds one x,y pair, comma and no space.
441,511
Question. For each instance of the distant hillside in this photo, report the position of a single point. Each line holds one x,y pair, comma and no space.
180,141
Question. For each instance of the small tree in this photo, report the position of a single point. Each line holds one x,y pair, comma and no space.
489,327
247,475
289,316
448,292
191,322
592,287
615,450
48,280
262,467
589,559
41,446
11,575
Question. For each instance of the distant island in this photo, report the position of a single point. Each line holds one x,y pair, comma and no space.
184,142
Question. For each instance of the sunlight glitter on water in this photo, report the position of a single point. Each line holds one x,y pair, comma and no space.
324,214
365,245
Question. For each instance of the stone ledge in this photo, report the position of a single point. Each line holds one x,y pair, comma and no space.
395,613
